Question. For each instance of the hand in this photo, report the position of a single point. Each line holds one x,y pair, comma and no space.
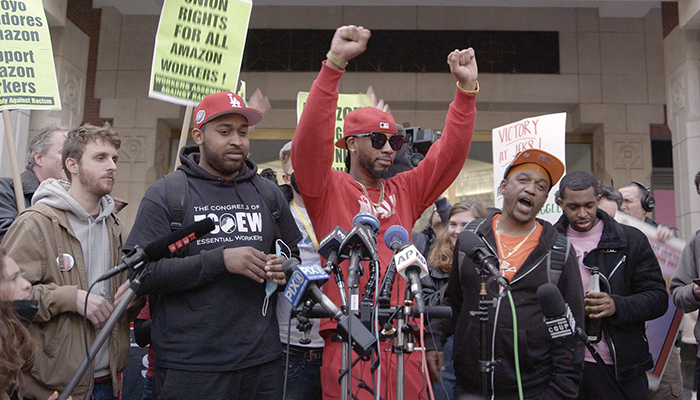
54,396
696,291
434,359
259,102
348,42
98,308
120,294
247,261
463,66
380,104
599,304
663,233
273,268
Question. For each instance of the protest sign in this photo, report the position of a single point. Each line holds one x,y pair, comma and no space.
546,132
199,48
27,72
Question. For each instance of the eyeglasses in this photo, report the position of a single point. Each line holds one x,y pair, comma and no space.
379,140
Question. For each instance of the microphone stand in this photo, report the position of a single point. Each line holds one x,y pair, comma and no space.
400,348
104,333
581,335
345,346
486,366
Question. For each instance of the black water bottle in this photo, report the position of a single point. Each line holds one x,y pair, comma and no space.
594,325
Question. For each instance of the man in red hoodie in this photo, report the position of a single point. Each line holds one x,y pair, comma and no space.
333,198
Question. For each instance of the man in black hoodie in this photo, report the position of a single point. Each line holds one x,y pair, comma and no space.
214,326
633,290
548,369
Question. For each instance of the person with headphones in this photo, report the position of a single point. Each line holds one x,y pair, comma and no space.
637,201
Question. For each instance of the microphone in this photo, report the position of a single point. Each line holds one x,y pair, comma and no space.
394,238
162,247
476,249
360,244
328,248
303,280
368,220
557,314
411,264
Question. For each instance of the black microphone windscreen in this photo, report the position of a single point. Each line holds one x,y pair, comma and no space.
288,266
551,301
468,242
170,244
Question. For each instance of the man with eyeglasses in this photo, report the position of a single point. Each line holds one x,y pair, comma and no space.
333,197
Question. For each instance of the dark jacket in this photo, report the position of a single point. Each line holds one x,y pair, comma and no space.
8,204
628,264
205,318
434,286
550,369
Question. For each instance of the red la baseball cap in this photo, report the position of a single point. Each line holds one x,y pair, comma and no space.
222,103
366,120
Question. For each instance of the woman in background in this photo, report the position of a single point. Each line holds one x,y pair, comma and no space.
16,346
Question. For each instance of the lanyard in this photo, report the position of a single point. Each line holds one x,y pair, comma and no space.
306,224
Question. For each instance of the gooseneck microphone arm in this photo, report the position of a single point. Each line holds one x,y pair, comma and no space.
394,238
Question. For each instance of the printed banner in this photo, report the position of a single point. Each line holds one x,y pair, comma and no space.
346,103
661,332
27,72
546,132
198,50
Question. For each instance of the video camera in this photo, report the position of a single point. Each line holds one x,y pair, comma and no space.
418,141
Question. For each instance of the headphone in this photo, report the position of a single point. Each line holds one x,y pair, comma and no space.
647,200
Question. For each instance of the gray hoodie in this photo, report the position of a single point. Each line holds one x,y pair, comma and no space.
93,235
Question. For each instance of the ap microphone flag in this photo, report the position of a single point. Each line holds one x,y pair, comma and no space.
410,256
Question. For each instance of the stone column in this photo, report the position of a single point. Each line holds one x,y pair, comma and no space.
682,57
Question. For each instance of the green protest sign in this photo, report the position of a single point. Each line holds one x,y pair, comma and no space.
199,48
27,72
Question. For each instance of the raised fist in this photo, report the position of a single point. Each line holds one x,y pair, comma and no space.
348,42
463,66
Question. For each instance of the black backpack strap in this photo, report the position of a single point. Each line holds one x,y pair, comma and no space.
177,195
557,258
268,194
473,226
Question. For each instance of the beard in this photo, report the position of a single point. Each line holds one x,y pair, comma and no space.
93,183
219,163
367,164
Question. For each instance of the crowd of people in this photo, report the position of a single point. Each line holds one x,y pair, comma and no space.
215,313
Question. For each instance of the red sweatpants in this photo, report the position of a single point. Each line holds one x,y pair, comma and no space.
415,383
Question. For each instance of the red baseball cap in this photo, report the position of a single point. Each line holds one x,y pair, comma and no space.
366,120
222,103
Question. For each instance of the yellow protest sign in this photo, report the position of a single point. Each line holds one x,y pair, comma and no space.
27,72
199,48
346,103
